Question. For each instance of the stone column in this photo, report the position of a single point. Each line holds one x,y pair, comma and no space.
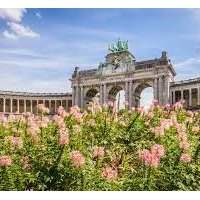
181,94
24,105
101,94
160,90
130,94
17,105
77,96
190,97
126,92
50,106
81,97
67,106
37,106
155,89
198,96
11,105
174,97
165,92
31,106
104,93
73,95
4,105
55,107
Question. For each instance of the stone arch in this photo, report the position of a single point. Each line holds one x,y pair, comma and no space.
137,90
116,94
91,93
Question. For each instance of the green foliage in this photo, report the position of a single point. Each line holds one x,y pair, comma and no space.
48,165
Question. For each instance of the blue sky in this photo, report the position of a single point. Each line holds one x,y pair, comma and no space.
39,48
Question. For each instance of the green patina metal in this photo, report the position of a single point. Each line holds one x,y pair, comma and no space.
119,46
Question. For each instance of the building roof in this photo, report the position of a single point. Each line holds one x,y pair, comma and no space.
185,82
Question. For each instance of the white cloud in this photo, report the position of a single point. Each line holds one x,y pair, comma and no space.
12,14
9,35
38,15
188,68
18,30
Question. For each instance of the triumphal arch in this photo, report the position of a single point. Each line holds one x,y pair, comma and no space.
121,71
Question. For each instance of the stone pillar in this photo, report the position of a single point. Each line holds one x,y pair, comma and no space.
198,96
24,105
181,94
155,89
82,97
73,95
77,96
190,97
67,106
17,105
165,90
50,106
55,107
174,97
31,106
130,103
126,92
4,105
104,93
37,106
11,105
160,90
101,94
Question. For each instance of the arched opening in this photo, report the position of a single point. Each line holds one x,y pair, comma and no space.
143,95
117,96
146,97
91,95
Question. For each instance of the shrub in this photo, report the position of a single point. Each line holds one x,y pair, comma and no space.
101,149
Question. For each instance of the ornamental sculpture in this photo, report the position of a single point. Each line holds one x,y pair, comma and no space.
119,46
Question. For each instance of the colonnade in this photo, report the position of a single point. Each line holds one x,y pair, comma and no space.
190,95
20,105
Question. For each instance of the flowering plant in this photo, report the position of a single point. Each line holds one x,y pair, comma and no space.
101,149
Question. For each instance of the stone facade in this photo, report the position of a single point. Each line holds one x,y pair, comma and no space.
121,71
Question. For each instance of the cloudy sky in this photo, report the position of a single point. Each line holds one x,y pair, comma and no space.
39,48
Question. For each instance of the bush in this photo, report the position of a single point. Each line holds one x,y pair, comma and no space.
100,149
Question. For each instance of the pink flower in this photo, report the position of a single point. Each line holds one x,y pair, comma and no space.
155,102
98,152
15,141
158,150
152,158
186,158
141,110
64,138
78,160
42,108
167,106
178,105
25,163
5,161
109,173
158,130
110,103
